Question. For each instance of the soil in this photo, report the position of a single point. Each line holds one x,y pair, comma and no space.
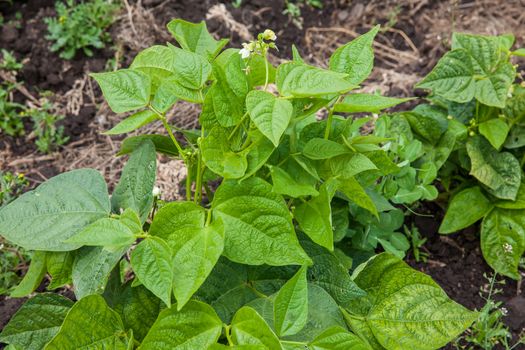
404,54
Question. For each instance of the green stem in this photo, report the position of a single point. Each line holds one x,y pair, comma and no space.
328,128
208,217
267,71
188,180
238,126
227,329
200,170
164,121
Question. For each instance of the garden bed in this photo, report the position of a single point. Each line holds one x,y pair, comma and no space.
403,56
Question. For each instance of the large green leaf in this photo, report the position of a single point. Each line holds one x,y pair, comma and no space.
44,218
452,77
196,326
190,69
318,148
152,262
353,190
500,172
175,217
195,37
124,90
257,224
356,58
503,240
248,327
33,276
271,115
36,322
106,232
337,338
91,269
134,190
315,217
196,251
300,80
290,308
90,324
465,208
404,308
283,183
357,103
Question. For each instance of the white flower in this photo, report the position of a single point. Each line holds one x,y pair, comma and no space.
156,191
245,53
507,248
269,34
504,311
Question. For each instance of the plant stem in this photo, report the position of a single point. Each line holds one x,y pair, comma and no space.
238,126
188,180
164,121
227,329
198,184
267,70
329,119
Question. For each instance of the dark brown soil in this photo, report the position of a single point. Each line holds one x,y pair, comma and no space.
455,261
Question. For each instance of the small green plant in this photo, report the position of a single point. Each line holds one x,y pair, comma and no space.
416,242
263,262
81,26
10,119
11,186
489,331
293,9
48,134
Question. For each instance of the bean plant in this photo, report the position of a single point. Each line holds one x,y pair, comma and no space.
258,254
472,135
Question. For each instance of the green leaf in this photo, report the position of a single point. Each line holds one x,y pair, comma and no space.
137,307
33,276
357,103
495,131
452,77
134,190
219,157
503,240
258,153
43,218
500,172
195,37
518,203
315,217
124,90
59,265
248,327
106,232
132,122
404,308
349,165
36,322
318,148
299,80
356,58
290,308
461,212
177,216
484,50
163,144
195,255
328,273
337,338
196,326
191,70
152,262
91,269
283,183
353,190
257,224
270,115
493,89
89,324
170,89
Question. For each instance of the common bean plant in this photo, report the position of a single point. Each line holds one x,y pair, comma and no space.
258,254
472,138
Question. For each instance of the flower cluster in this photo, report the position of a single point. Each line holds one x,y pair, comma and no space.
259,46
